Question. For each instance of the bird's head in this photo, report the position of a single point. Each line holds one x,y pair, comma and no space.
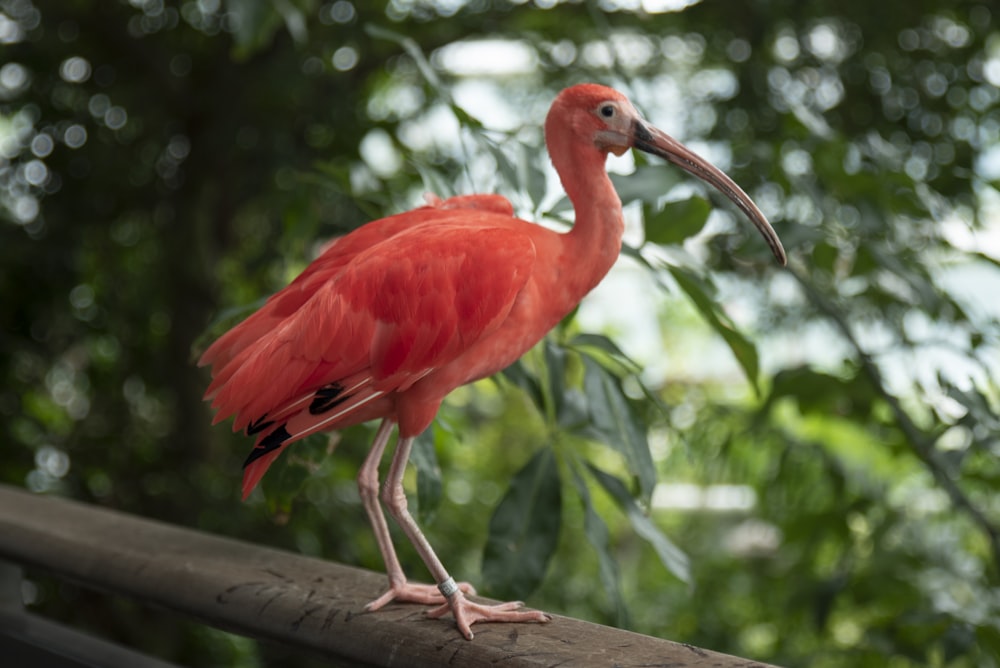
606,119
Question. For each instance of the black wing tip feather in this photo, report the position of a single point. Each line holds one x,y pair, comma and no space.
258,425
326,398
269,443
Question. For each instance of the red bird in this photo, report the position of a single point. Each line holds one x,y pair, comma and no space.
392,317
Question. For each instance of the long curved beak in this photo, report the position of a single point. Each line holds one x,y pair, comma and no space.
647,138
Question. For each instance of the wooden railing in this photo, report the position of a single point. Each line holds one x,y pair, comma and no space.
313,605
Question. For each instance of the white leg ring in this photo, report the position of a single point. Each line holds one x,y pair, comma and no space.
448,587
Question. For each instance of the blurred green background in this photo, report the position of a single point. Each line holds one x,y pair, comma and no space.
820,441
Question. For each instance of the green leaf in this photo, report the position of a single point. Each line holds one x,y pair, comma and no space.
505,168
613,418
825,255
743,349
588,343
607,353
677,221
464,118
988,639
433,181
600,342
647,183
823,394
424,458
256,22
555,364
599,538
531,179
413,50
292,469
524,529
670,555
985,257
520,375
980,409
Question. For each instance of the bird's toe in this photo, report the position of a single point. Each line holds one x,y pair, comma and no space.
467,613
409,592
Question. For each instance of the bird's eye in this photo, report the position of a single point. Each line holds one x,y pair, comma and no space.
608,111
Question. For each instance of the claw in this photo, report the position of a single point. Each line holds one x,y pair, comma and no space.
467,613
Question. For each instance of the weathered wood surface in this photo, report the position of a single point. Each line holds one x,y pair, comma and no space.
308,603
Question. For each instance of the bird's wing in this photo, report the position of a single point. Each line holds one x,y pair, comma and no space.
334,256
391,313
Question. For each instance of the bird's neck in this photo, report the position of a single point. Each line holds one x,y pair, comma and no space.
593,244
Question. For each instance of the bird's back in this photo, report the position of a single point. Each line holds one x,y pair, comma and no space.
393,299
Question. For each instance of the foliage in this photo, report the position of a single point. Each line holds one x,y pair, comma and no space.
163,161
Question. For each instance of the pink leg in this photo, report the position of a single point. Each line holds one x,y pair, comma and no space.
466,612
399,588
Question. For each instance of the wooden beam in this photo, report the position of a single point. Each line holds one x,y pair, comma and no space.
314,605
27,639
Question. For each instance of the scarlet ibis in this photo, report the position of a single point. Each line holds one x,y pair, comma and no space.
392,317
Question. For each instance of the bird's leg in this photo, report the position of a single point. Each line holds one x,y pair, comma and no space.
466,612
399,588
368,490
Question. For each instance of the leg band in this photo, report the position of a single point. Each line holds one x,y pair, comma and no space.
448,587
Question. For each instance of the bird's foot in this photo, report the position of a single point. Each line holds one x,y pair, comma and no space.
407,592
467,613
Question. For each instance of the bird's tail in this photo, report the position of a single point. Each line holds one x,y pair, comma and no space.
324,409
255,470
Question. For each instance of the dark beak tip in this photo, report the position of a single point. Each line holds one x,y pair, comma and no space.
780,255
